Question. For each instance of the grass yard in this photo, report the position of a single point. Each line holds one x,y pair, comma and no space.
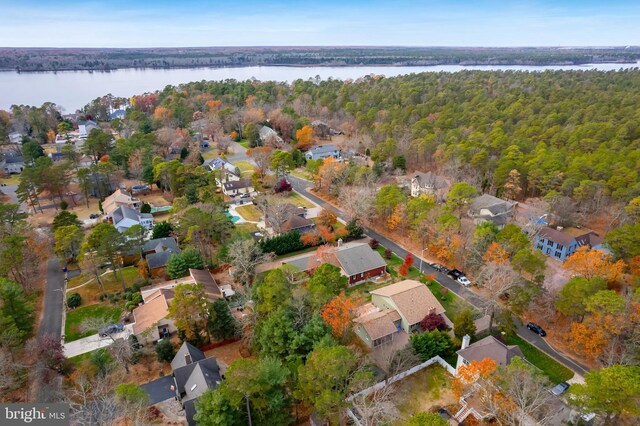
451,303
249,212
77,316
244,143
244,166
425,390
211,154
298,200
555,371
301,173
78,359
247,227
295,253
11,180
90,293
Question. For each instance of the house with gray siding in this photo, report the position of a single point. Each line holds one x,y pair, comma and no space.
560,243
321,152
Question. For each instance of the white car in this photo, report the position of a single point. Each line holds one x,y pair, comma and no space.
464,281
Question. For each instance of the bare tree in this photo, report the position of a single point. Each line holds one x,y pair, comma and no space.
357,202
498,279
377,407
245,255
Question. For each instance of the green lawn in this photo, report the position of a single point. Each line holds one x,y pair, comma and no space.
244,143
301,173
249,212
90,292
211,154
11,180
77,316
555,371
246,227
451,303
297,200
244,166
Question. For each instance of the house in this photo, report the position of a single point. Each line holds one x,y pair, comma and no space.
120,198
487,208
286,218
15,138
193,374
157,253
561,243
429,184
12,164
269,137
220,163
321,152
489,347
85,127
118,113
150,318
124,218
357,261
396,308
235,187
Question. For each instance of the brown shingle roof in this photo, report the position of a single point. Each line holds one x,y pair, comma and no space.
413,299
380,323
492,348
556,236
153,310
204,277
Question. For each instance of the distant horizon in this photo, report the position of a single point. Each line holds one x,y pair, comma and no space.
342,46
410,23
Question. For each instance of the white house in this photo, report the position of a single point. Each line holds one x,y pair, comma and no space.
321,152
429,184
235,187
15,138
124,218
86,127
268,136
12,164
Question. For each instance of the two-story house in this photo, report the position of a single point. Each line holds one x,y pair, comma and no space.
429,184
321,152
269,137
85,127
560,243
124,218
119,198
395,309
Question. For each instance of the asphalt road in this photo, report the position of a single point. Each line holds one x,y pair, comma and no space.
51,322
301,186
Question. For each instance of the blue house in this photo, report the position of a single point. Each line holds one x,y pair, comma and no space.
321,152
561,243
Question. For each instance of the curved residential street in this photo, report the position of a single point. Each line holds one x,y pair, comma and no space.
51,321
301,186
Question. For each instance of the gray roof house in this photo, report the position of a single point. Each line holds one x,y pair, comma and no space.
219,163
489,347
193,375
15,138
159,245
234,187
12,164
267,134
124,218
321,152
86,127
487,208
429,184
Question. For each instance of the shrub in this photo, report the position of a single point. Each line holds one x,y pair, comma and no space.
164,350
387,253
282,186
74,300
282,244
373,243
432,343
145,208
64,205
433,322
355,231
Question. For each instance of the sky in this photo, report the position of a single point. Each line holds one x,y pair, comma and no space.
186,23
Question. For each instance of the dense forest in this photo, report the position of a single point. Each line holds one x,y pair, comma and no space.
48,59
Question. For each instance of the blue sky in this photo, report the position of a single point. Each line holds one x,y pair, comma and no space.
160,23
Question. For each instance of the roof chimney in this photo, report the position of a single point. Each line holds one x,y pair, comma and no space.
187,358
465,341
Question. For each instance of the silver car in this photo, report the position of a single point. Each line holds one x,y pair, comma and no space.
560,388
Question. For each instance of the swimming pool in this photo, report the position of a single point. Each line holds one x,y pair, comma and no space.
233,218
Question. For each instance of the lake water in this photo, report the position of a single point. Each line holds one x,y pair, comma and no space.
74,89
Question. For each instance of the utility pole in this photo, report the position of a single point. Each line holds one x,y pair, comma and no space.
246,397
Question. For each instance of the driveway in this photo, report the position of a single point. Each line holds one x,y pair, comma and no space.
51,322
239,153
159,390
301,186
93,342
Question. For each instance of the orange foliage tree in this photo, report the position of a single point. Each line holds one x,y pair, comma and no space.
304,137
162,114
327,217
310,239
496,254
327,233
338,314
470,373
394,219
51,136
327,178
212,105
589,263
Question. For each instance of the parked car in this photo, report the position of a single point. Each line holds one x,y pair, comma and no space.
455,274
94,215
137,189
444,413
439,267
464,281
245,196
536,329
111,329
560,388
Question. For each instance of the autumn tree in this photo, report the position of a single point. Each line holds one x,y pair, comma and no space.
496,254
589,263
463,324
469,374
339,313
262,157
327,217
189,310
330,176
304,138
512,188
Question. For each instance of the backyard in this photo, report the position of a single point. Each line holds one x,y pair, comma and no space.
426,390
244,166
300,201
72,329
90,292
249,213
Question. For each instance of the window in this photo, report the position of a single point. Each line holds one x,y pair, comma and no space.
549,242
559,246
539,246
465,362
193,387
558,254
548,251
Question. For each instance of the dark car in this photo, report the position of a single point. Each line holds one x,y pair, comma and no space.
455,274
444,414
536,329
439,267
560,388
94,215
111,329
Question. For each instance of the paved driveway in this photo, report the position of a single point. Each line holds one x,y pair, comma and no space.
93,342
159,390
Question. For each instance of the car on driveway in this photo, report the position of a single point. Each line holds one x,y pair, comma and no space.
94,215
560,388
464,281
536,329
111,329
455,274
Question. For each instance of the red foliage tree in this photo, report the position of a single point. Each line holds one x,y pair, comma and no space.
432,322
